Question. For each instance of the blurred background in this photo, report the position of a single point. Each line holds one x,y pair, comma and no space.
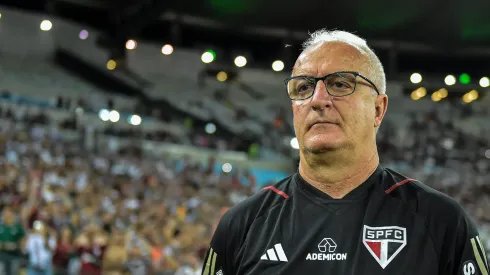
128,127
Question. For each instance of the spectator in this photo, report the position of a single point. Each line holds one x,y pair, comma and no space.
64,253
39,247
11,235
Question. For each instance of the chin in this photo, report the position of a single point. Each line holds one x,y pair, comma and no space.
318,145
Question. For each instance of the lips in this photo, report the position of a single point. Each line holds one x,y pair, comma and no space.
320,122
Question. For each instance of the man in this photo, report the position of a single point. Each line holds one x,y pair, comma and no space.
11,236
343,213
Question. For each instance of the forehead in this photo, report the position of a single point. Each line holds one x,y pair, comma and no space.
330,57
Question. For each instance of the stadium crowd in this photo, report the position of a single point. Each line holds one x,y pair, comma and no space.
73,211
114,213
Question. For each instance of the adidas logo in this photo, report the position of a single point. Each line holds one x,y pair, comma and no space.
220,272
275,254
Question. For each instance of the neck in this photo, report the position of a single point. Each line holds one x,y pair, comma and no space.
336,174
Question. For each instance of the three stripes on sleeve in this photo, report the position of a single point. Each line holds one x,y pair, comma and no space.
480,255
211,263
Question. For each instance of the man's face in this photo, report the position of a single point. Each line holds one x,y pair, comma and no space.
347,121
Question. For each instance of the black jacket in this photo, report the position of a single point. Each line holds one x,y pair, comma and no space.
390,224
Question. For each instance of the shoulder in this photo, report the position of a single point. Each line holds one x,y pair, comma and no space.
261,203
423,200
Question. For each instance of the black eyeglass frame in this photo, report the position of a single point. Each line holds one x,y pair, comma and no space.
323,78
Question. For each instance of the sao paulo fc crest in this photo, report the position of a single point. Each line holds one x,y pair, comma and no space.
384,243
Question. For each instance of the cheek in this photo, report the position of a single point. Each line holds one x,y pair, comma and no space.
363,116
353,115
299,117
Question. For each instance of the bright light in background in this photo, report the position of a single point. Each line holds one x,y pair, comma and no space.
227,167
167,49
470,96
111,65
0,15
134,120
104,114
419,93
416,78
436,96
38,225
487,154
465,78
114,116
46,25
278,65
131,44
450,80
207,57
443,93
222,76
240,61
294,143
83,34
484,82
448,143
210,128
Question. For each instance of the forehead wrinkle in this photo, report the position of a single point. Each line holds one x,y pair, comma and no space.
330,57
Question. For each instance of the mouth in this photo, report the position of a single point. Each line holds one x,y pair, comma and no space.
321,123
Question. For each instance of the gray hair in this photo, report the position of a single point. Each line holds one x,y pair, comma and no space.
375,68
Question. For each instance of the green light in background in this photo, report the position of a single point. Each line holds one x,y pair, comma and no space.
465,78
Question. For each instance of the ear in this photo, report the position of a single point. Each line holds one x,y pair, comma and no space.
381,105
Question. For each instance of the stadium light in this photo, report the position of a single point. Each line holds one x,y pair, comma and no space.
227,167
450,80
131,44
470,96
240,61
111,64
104,115
442,93
464,78
46,25
222,76
294,143
484,82
278,65
83,34
134,120
448,143
167,49
210,128
436,96
114,116
208,56
0,16
418,93
79,111
416,78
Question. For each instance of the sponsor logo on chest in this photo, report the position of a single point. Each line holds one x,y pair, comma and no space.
328,252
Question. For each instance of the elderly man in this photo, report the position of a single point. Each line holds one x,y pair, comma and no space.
343,213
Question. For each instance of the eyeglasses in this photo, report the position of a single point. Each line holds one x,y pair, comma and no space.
337,84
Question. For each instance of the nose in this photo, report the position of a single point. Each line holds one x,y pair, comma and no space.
320,99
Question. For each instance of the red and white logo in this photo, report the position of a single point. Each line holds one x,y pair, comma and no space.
384,243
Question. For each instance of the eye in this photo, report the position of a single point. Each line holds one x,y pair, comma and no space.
304,87
340,85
